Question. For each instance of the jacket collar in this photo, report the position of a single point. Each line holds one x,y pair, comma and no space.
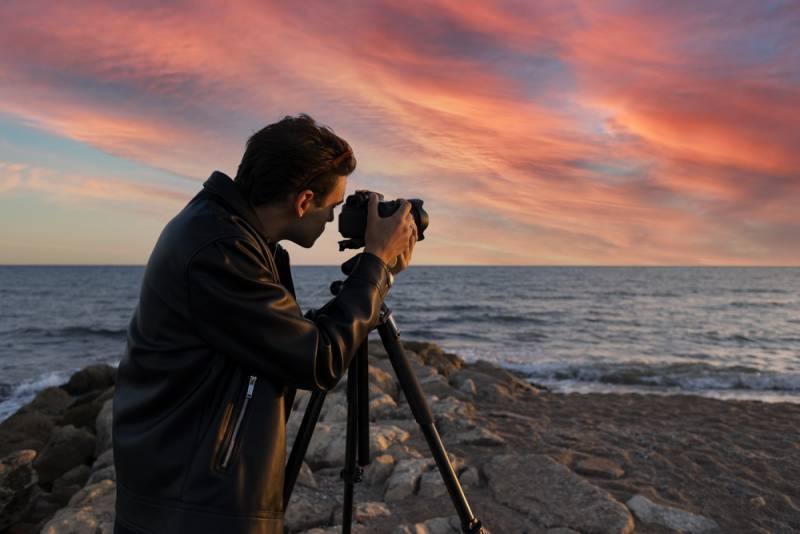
222,187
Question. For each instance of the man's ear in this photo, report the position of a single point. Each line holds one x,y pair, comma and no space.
302,201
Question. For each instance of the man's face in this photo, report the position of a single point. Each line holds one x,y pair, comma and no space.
310,227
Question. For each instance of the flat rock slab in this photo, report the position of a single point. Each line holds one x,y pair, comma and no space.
550,494
675,519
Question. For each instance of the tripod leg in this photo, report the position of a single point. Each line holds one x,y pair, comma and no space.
422,413
350,474
363,404
300,446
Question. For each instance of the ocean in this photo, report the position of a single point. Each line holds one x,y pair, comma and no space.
730,333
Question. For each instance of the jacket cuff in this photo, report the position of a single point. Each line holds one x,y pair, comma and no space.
372,269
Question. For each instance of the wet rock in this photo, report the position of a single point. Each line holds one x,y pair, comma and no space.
90,511
17,483
556,497
68,447
99,376
599,467
50,401
674,519
25,430
405,477
379,469
103,427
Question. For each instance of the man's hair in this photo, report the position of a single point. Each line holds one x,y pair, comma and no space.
290,156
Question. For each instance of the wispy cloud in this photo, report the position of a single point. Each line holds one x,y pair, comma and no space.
547,132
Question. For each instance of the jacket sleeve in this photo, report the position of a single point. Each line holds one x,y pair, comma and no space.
240,310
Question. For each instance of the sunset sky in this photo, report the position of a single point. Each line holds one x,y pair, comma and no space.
537,132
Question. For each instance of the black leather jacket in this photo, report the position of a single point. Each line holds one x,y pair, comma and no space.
216,348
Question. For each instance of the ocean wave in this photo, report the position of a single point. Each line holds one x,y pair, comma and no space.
694,376
16,396
67,332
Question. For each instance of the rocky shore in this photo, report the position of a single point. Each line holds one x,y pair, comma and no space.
530,461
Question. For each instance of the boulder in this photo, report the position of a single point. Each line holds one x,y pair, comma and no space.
71,481
90,511
433,355
103,427
308,509
379,469
50,401
470,477
405,478
431,485
306,477
382,380
94,377
552,496
17,484
25,430
104,460
382,406
106,473
327,446
68,447
674,519
436,525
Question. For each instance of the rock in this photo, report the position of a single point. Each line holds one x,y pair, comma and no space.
68,447
306,477
106,473
383,380
103,427
327,446
49,401
90,511
77,476
307,509
43,506
367,511
470,477
599,467
431,485
467,433
405,476
433,355
104,460
674,519
551,495
81,415
382,406
468,386
436,525
17,483
453,408
379,469
25,430
561,530
99,376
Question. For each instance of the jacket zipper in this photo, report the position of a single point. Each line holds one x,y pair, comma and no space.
237,426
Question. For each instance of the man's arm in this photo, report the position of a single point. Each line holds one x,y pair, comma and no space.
246,316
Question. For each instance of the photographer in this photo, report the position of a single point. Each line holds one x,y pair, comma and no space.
218,344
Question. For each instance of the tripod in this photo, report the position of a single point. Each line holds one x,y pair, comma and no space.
357,440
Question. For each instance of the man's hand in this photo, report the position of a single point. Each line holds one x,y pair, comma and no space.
392,239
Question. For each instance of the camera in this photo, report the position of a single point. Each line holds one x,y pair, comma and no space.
353,218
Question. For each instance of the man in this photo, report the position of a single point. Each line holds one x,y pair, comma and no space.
218,344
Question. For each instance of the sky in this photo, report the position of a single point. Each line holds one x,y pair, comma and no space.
537,133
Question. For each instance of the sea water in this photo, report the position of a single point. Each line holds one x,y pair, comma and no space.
716,331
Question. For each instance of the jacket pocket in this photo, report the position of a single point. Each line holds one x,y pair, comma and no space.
234,428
